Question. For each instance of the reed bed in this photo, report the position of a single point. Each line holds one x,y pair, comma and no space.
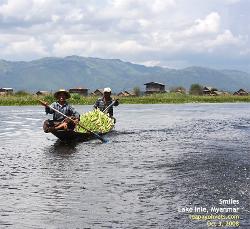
184,98
22,100
16,100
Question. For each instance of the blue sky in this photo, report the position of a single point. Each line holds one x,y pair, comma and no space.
168,33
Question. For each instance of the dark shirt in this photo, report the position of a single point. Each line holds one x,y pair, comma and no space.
65,109
102,104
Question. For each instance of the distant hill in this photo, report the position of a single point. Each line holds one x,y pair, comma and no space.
74,71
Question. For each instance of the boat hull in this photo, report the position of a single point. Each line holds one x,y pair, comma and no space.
72,136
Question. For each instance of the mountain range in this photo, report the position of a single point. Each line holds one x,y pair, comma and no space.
52,73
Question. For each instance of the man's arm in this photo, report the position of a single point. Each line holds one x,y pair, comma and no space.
116,102
96,105
74,112
48,110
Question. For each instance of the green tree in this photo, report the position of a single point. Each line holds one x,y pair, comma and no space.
137,91
195,89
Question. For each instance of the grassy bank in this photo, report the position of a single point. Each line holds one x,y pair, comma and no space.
14,100
17,100
181,98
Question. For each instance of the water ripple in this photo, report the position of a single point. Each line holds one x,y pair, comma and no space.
158,159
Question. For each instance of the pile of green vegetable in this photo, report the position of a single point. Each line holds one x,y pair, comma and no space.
96,121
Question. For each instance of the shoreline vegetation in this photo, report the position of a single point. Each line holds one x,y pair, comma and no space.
162,98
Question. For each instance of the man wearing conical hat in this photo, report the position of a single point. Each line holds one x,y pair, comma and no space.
59,121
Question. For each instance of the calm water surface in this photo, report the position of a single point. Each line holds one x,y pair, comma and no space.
159,159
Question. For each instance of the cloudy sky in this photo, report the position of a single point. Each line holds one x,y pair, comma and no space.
169,33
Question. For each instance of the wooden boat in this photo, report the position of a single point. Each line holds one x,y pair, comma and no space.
73,136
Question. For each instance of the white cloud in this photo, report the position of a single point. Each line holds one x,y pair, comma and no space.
68,44
225,38
30,47
75,15
211,24
156,31
23,12
160,6
130,46
11,7
84,45
231,1
14,9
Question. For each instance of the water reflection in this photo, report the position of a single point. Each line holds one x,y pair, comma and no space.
59,148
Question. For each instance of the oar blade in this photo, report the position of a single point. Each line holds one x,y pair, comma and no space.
95,134
101,138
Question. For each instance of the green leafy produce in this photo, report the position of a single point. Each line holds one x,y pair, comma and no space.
96,121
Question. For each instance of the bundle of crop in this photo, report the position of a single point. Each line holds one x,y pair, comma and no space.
96,121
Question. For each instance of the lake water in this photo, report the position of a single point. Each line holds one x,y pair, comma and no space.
159,160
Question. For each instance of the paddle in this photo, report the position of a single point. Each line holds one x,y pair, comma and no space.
95,134
110,105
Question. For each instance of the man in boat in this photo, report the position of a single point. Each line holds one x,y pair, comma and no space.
59,121
105,101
